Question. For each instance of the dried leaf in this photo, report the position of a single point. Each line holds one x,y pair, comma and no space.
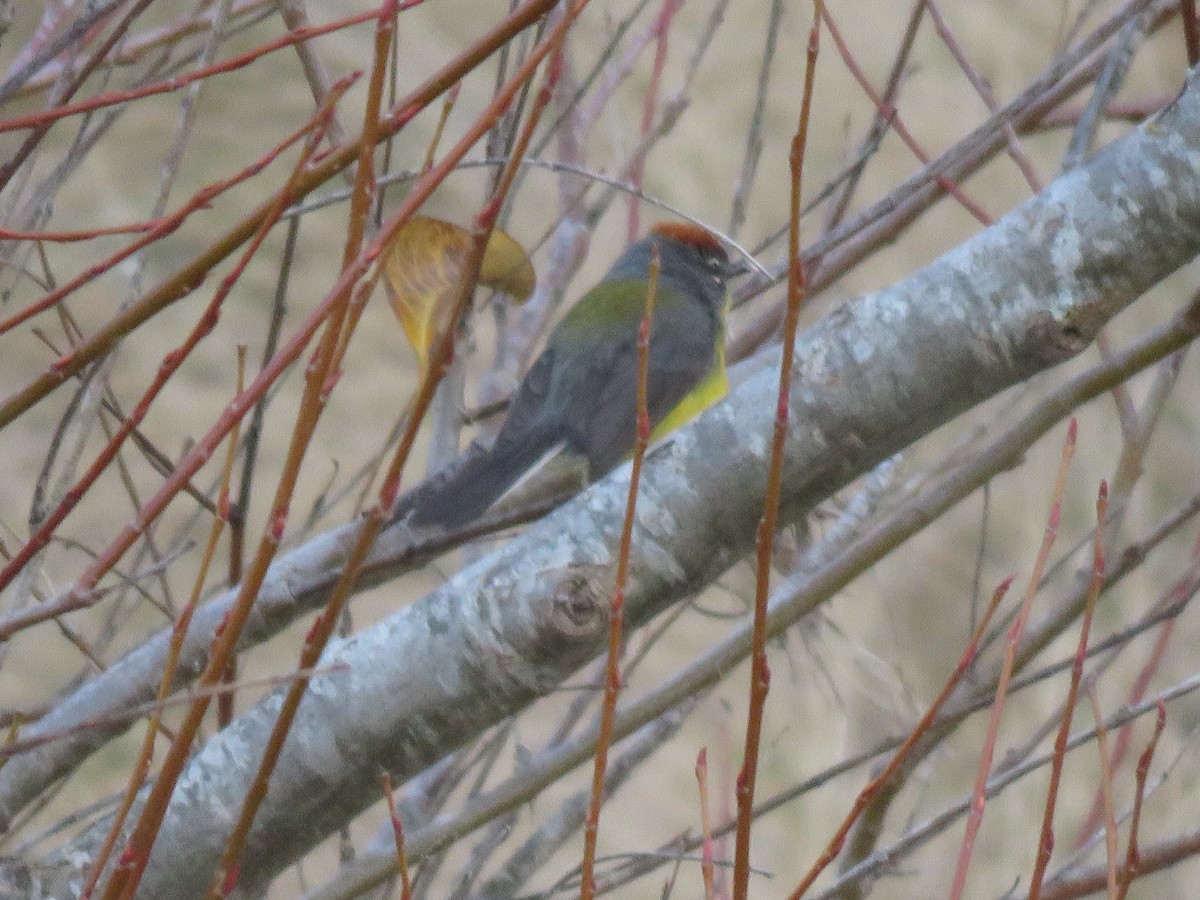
506,267
422,267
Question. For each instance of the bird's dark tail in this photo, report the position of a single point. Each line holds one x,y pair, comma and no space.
464,490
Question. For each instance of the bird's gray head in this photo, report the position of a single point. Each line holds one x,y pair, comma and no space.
693,261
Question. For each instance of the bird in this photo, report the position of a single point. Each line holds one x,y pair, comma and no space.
580,395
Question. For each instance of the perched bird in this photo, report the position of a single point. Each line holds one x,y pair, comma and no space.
580,395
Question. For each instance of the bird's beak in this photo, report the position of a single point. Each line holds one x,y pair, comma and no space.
736,267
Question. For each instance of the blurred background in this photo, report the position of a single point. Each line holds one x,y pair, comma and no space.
860,671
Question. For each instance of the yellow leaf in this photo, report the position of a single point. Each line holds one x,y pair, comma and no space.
506,267
423,265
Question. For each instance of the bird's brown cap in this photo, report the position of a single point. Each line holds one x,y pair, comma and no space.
687,233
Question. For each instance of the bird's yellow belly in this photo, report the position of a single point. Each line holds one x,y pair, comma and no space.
711,388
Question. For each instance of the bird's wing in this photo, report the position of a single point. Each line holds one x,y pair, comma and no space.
528,411
465,490
682,352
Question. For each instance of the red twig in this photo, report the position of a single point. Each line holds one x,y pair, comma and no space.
1015,633
170,364
879,127
893,117
179,631
135,857
155,229
398,834
1132,855
111,98
616,621
1156,858
898,758
323,628
1106,789
649,103
1046,841
68,237
83,590
184,280
122,718
588,113
1179,593
985,92
135,47
760,672
706,852
326,362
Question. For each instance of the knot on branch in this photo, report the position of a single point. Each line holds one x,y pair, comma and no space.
577,601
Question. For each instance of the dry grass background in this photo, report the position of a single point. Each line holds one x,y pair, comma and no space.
895,634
